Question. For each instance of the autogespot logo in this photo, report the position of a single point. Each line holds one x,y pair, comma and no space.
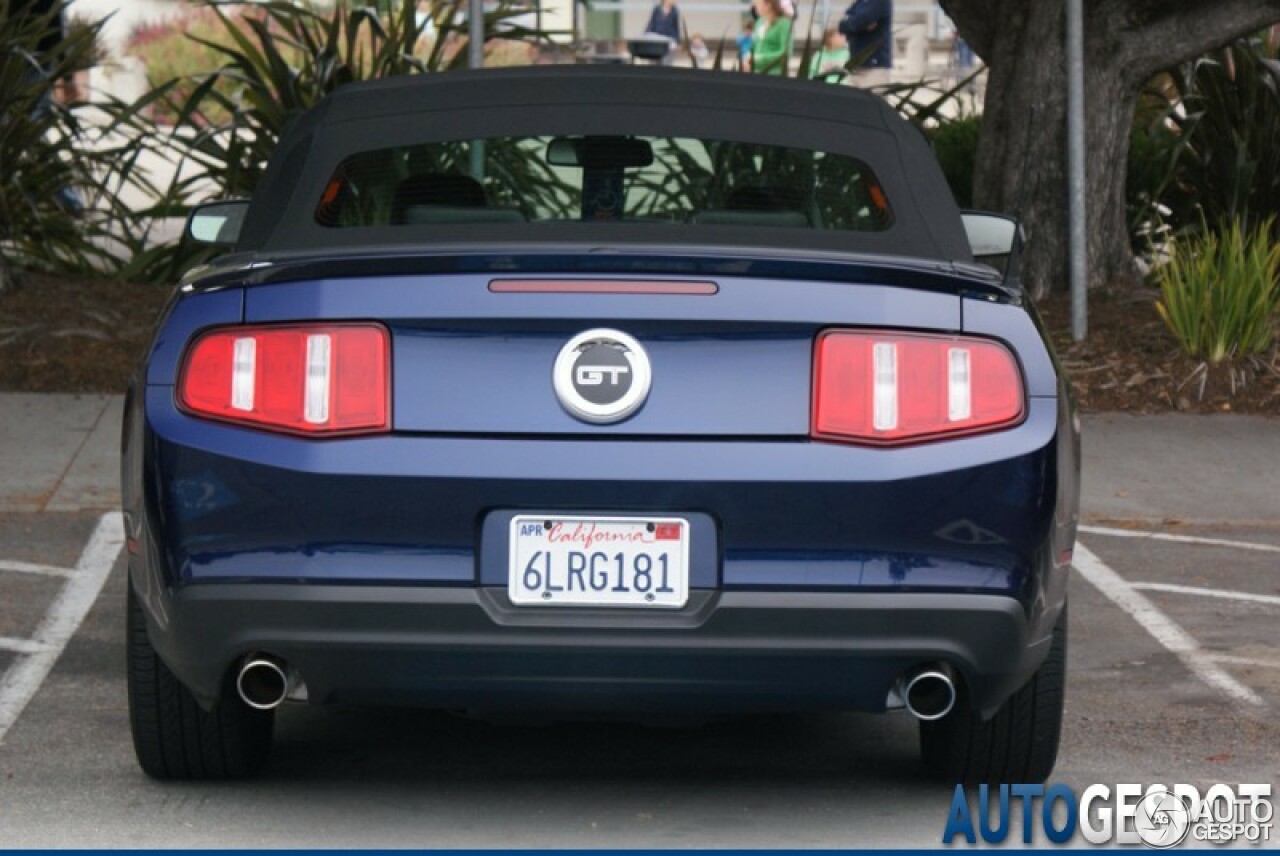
601,376
1162,819
1157,816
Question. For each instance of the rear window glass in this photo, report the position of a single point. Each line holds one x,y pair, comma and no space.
604,179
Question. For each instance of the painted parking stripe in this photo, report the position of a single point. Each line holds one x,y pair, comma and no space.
1234,660
28,568
20,646
1179,539
1269,599
64,617
1161,627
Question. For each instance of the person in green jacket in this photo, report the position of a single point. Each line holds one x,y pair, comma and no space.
771,44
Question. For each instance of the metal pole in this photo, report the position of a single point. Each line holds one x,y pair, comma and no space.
475,59
1076,213
475,41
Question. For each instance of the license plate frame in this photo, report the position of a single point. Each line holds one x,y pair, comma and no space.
607,571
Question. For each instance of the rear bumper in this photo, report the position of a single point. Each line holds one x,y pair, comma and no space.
819,573
468,647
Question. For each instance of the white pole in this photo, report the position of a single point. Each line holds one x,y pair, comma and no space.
475,59
1077,245
475,42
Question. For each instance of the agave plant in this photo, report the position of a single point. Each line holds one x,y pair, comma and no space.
1220,290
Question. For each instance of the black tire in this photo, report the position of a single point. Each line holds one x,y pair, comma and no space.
1018,744
175,738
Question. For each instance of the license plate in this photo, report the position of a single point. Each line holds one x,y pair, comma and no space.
599,561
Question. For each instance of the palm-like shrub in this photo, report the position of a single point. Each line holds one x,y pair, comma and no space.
275,62
1210,153
179,53
278,63
47,147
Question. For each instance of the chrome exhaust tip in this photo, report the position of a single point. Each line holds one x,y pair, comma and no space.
930,693
264,682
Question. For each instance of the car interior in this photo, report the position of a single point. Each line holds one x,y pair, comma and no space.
604,179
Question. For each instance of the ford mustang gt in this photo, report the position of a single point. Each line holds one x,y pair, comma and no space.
596,391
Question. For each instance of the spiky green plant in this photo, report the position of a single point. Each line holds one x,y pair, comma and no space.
1220,290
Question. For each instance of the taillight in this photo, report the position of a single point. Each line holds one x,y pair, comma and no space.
886,388
321,379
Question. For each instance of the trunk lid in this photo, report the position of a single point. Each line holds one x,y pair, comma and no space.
730,355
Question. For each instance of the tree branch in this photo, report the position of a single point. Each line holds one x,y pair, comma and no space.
1156,34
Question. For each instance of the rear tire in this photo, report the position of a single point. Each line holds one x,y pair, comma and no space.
1017,745
175,738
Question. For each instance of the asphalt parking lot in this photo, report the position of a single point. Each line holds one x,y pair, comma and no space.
1174,677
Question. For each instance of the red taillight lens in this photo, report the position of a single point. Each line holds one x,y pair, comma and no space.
313,379
886,388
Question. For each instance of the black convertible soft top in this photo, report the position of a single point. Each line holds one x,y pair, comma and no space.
590,100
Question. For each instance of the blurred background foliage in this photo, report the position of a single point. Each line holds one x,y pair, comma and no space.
1209,139
227,78
60,175
264,65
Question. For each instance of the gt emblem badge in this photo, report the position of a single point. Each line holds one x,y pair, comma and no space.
601,376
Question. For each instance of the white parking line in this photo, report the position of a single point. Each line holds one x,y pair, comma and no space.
28,568
1205,592
1180,539
28,672
1162,628
1234,660
20,646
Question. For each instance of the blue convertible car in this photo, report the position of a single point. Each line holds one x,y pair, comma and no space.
595,390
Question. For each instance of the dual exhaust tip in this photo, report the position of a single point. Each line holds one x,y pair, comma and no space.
265,682
928,693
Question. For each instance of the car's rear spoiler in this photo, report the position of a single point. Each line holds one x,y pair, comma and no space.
706,262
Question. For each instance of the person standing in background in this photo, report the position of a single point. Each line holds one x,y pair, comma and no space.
771,42
744,43
665,21
868,27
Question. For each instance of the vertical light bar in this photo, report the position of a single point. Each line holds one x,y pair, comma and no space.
959,395
884,359
316,403
244,370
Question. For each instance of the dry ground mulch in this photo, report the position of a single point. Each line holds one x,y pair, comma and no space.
69,334
60,334
1131,362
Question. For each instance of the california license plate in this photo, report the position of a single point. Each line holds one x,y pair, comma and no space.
599,561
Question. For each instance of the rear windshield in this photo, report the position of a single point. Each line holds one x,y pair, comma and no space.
637,180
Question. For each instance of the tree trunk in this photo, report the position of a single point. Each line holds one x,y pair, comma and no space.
1021,165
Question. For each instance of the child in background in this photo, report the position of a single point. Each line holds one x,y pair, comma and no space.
699,53
833,56
744,43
